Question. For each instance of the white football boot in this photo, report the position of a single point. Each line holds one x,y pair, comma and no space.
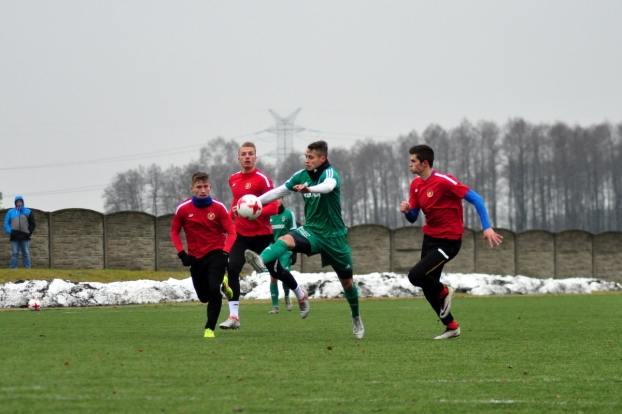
303,304
449,333
231,323
357,327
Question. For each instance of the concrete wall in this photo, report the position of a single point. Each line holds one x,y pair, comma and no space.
370,244
498,260
573,254
130,241
86,239
535,254
76,239
608,256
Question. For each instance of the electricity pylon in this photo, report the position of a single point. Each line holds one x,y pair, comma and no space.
284,130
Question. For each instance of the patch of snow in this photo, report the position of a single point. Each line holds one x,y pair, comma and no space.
61,293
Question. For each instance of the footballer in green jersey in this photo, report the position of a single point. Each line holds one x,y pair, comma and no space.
323,233
282,223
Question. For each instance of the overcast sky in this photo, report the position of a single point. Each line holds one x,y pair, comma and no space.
85,82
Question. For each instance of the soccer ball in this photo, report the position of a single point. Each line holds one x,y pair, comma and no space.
34,304
249,207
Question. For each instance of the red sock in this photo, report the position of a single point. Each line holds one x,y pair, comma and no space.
453,324
444,292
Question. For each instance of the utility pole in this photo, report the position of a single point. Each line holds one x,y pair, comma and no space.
284,130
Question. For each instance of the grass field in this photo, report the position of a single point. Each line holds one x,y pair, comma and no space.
516,354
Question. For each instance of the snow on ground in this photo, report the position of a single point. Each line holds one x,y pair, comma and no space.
60,293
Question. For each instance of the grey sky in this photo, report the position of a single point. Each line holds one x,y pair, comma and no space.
93,80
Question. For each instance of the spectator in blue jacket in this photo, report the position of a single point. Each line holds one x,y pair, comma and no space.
19,223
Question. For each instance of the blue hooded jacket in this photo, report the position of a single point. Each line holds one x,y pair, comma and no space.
19,222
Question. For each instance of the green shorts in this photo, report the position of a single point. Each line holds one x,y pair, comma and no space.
335,251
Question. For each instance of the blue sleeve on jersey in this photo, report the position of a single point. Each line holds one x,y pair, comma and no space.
412,215
477,200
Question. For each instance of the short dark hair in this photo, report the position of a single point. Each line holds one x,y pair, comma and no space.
200,176
320,146
423,153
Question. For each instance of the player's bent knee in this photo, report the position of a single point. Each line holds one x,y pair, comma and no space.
415,278
203,298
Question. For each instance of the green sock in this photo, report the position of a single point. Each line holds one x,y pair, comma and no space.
285,289
274,294
352,295
274,251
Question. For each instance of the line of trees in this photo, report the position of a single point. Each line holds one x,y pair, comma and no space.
551,177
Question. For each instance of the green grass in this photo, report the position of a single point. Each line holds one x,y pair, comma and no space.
516,354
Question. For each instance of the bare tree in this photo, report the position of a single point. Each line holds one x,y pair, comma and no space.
126,192
550,177
515,145
219,158
154,178
487,169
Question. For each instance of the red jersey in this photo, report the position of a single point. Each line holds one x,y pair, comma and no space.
205,228
440,199
256,183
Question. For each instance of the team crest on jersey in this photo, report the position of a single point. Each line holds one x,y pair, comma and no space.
430,193
283,219
211,216
247,186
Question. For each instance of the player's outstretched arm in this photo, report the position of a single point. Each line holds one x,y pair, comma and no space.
490,236
274,194
324,187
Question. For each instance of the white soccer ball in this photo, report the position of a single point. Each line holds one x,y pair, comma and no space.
249,207
34,304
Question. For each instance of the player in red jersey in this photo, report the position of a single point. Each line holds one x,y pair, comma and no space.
210,234
440,196
253,235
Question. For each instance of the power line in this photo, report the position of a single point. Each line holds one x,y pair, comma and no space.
106,160
63,191
160,153
352,134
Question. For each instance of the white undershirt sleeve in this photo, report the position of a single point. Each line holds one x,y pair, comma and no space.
324,187
274,194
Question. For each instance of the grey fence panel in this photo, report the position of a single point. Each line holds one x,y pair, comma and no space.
130,241
77,239
464,262
499,260
608,256
573,254
406,248
370,244
535,254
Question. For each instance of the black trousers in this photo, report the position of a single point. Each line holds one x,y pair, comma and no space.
237,260
207,274
426,274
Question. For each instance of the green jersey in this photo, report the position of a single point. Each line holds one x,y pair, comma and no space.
282,223
322,211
